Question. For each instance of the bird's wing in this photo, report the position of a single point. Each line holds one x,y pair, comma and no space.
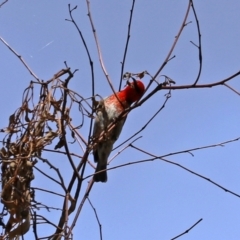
100,124
101,119
117,129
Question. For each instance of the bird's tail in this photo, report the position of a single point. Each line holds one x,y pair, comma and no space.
102,176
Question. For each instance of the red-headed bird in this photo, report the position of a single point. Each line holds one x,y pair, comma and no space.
108,110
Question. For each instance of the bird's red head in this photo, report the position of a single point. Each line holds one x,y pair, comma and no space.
133,92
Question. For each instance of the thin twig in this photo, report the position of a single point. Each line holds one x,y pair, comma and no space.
165,87
194,225
209,85
126,46
119,152
63,131
173,45
98,47
3,3
45,190
96,215
89,58
49,222
62,152
199,44
76,170
57,171
238,93
179,165
203,147
48,176
21,59
90,185
35,224
70,186
36,205
176,164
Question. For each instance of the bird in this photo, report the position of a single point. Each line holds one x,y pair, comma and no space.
108,111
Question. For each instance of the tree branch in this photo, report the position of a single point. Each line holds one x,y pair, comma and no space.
20,58
194,225
126,46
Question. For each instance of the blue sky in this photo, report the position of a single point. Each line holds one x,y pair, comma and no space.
153,200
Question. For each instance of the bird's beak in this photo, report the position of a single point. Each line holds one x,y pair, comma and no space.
135,84
128,83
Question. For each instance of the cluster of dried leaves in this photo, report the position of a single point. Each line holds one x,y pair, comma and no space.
31,128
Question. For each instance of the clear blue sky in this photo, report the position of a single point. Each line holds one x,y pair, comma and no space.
153,200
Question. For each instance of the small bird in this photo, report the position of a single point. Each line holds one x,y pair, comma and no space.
107,111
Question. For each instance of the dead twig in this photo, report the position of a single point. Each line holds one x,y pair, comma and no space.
189,229
126,45
20,58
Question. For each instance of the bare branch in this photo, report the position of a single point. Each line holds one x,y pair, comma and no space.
35,225
20,58
119,152
209,85
199,44
126,46
179,165
3,3
98,47
194,225
203,147
238,93
173,46
89,58
90,185
96,215
45,190
166,87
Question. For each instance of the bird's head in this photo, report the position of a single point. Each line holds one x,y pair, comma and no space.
134,91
